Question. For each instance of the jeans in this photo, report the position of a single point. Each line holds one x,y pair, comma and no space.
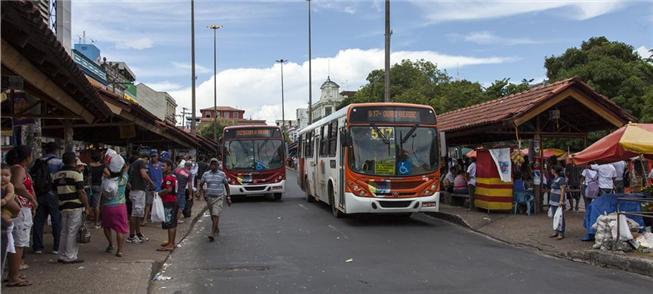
181,199
619,186
472,191
47,206
562,228
71,222
587,204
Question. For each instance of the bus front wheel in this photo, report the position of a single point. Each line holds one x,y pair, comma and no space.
307,191
332,201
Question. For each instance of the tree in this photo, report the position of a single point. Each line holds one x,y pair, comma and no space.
613,69
504,87
206,129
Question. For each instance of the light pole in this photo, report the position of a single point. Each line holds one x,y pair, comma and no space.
310,69
192,42
388,32
283,115
215,82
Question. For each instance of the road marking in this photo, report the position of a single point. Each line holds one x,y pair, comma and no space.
339,232
302,206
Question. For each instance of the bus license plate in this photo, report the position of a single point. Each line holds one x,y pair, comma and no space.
382,188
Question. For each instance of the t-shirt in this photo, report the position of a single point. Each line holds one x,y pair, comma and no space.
118,196
183,176
215,182
169,183
67,184
556,185
620,167
202,167
471,170
589,175
135,178
459,183
607,172
155,172
96,174
54,164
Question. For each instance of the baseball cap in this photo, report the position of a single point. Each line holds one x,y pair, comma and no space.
214,159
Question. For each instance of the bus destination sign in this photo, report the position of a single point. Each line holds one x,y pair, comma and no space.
252,133
392,115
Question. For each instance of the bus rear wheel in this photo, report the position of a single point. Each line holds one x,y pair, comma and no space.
332,201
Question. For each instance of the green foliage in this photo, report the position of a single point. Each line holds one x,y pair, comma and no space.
206,129
613,69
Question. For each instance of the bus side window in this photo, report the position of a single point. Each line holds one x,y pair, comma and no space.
299,147
333,138
323,141
309,144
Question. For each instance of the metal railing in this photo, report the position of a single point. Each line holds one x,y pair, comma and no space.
647,214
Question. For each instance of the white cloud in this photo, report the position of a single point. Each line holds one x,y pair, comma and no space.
199,69
258,90
643,52
164,86
447,10
487,38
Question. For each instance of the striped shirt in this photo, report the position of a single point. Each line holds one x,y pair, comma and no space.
215,183
67,184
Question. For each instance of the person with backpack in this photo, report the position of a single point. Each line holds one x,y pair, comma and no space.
590,190
41,173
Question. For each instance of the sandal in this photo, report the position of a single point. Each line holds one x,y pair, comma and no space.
118,254
165,244
165,249
19,283
560,237
20,277
23,267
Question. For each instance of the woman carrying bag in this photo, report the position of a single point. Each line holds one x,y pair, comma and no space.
557,202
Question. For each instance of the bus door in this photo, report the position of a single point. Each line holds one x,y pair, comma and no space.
341,147
315,165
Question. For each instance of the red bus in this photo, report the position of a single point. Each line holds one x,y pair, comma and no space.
254,160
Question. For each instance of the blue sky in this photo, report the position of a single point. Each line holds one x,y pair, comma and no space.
475,40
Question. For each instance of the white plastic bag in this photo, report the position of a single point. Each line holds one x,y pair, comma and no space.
550,212
158,214
557,219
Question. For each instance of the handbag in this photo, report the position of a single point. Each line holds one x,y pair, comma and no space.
83,235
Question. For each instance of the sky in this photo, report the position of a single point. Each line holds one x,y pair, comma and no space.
475,40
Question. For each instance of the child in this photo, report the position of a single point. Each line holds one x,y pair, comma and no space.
170,206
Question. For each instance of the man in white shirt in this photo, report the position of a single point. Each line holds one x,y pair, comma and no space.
471,182
607,175
620,167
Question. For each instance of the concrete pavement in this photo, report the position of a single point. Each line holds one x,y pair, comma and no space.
292,246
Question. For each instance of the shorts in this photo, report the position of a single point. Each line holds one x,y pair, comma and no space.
170,213
149,197
215,205
22,227
138,203
96,196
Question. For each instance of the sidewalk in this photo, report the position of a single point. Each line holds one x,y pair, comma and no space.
533,231
103,272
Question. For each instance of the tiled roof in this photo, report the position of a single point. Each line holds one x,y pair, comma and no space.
223,108
515,105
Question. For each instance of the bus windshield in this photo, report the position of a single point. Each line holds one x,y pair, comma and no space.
393,151
254,155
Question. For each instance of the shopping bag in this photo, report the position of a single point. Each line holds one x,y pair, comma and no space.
557,219
83,235
550,212
158,213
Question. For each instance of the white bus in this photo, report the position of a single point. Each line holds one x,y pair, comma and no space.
372,158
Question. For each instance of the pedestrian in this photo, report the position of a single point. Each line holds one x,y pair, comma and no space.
155,171
202,167
459,183
139,182
620,169
556,201
41,173
607,176
19,158
170,206
216,188
114,209
590,189
96,174
10,210
471,182
73,202
184,184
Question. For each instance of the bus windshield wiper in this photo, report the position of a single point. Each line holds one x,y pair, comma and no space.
383,137
410,133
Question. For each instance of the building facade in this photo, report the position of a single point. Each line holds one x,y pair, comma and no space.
161,104
302,118
330,98
229,114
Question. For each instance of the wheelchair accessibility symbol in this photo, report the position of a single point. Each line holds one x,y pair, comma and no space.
403,169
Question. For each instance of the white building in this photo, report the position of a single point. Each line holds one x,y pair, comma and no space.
161,104
302,118
330,98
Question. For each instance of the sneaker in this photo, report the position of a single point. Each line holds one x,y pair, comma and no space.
55,252
134,240
142,238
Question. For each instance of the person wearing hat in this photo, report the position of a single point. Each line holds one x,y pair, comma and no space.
216,188
48,204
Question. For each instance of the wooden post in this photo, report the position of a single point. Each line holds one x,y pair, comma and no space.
537,138
68,135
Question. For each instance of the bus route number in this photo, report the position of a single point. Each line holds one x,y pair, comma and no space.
388,133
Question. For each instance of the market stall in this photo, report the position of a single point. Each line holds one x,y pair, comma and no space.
493,179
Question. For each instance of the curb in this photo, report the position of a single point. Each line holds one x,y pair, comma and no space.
157,266
594,257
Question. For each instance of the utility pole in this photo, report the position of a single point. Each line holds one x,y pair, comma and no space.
310,69
192,33
215,82
388,32
283,115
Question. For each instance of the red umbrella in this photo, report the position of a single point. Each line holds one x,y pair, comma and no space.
628,141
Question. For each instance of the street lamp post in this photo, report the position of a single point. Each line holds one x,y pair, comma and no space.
310,69
192,38
388,32
283,115
215,82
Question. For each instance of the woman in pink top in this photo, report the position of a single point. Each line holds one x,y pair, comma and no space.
460,183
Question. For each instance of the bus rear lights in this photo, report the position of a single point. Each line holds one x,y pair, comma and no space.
428,204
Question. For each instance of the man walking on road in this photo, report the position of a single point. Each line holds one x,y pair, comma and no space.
216,188
139,181
69,187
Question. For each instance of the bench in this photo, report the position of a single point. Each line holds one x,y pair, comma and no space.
456,199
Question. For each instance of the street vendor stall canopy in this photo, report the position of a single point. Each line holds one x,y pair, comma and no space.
628,141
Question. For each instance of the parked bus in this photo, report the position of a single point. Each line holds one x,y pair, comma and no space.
372,158
254,160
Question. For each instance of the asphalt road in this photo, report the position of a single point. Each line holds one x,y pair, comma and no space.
292,246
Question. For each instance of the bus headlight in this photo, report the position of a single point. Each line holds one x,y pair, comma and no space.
426,192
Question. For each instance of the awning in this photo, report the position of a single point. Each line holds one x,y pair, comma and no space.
628,141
